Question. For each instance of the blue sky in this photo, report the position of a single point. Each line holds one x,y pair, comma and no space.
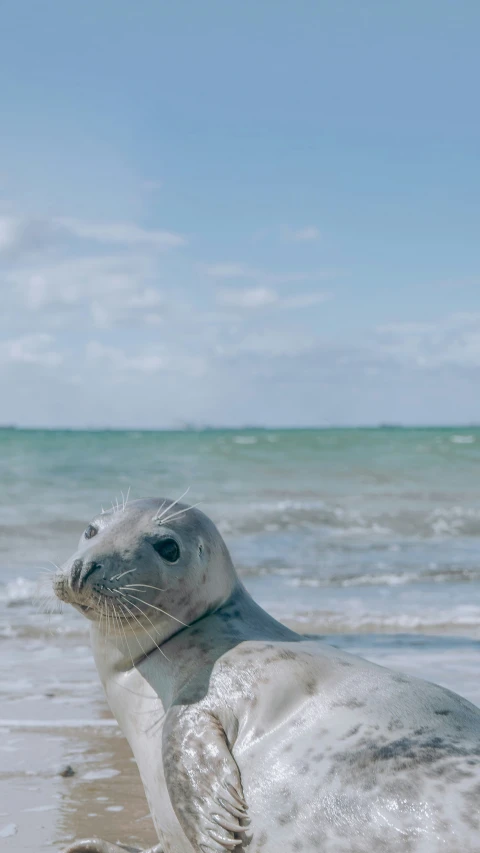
231,213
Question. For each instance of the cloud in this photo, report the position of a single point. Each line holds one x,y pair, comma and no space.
259,297
152,359
309,234
452,341
8,232
116,357
147,298
247,346
305,300
125,233
231,271
234,270
112,290
254,297
23,235
30,349
273,343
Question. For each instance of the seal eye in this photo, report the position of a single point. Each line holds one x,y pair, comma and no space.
168,549
91,531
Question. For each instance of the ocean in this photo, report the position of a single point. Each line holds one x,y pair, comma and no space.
367,537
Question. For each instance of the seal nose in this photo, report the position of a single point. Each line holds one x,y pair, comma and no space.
75,573
91,568
80,572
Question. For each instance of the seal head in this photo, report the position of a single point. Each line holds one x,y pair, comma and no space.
154,558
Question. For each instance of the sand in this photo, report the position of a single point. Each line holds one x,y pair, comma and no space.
43,810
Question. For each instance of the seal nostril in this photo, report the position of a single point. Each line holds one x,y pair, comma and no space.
92,568
76,570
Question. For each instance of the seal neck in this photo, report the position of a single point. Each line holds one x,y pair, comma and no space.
193,651
178,668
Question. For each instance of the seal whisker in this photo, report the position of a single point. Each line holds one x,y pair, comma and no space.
131,595
100,625
106,633
180,512
125,499
143,626
43,598
116,577
124,635
132,615
145,585
157,516
159,509
144,629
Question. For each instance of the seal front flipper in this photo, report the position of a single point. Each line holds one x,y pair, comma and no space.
203,779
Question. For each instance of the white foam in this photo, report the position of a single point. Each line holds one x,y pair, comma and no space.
355,618
104,773
18,591
8,830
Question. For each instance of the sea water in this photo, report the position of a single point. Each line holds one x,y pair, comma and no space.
368,537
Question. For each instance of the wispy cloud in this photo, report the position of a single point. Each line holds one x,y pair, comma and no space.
272,343
113,289
30,349
252,297
116,357
124,233
23,235
226,271
305,300
308,234
260,297
231,270
148,360
452,341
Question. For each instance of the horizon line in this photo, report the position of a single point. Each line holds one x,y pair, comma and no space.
240,427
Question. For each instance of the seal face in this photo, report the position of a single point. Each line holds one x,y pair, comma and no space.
246,734
133,563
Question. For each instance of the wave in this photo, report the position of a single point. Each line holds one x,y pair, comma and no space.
337,520
20,591
436,576
462,619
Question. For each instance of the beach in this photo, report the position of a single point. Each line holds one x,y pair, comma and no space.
368,538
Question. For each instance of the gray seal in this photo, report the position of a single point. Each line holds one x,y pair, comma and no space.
247,735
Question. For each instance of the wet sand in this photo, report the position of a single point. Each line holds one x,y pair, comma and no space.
42,810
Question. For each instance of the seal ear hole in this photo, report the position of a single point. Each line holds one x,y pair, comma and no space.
200,550
168,549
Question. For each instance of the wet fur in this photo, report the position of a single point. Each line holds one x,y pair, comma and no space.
249,736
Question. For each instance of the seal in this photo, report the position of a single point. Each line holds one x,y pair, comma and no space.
247,735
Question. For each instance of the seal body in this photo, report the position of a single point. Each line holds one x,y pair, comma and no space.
249,736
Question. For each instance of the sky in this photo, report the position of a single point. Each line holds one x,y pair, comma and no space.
232,213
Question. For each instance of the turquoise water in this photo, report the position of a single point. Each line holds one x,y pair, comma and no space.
370,535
